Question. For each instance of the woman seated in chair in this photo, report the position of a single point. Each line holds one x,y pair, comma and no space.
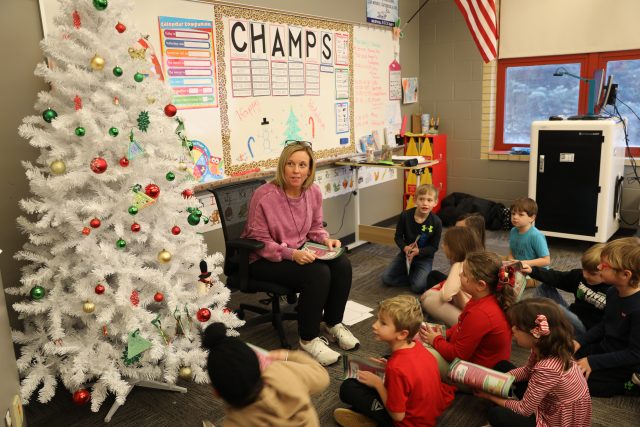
284,214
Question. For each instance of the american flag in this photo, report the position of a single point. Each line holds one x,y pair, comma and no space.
481,20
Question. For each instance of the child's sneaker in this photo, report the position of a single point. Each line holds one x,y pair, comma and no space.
348,418
319,349
342,335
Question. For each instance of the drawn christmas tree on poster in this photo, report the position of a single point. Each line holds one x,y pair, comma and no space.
111,281
292,132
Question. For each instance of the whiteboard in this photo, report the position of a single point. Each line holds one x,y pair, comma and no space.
244,134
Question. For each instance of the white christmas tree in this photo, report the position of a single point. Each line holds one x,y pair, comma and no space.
112,258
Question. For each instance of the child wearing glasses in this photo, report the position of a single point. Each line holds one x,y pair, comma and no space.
417,235
609,353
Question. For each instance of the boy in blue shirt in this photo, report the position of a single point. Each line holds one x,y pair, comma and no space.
417,235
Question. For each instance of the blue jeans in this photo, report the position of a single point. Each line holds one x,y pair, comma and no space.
396,273
548,291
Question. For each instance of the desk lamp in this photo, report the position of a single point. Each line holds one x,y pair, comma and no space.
591,85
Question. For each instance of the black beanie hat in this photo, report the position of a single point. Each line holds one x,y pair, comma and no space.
233,367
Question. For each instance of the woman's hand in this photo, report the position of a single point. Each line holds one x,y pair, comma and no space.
576,346
584,367
300,256
427,335
332,243
280,354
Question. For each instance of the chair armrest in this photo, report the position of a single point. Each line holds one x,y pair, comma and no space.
242,243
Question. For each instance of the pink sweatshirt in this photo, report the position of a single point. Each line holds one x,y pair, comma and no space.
283,223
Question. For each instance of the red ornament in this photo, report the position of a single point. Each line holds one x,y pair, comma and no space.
77,102
135,227
95,223
98,165
76,19
124,162
86,231
203,314
100,289
158,297
170,110
81,396
226,311
187,193
152,190
175,230
120,27
134,298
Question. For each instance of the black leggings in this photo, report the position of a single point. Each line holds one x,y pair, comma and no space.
366,401
434,278
500,416
323,286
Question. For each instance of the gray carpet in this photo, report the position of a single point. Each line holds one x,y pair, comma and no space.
146,407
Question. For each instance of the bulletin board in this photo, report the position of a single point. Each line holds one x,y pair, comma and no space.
331,102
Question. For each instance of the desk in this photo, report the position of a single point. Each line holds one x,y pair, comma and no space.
418,169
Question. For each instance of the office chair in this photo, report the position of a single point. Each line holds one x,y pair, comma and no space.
233,205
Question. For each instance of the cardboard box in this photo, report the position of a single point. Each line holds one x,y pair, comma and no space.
416,124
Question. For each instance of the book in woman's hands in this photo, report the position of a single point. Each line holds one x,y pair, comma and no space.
321,251
437,327
353,364
479,377
514,269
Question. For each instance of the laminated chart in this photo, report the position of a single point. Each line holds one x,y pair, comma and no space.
189,61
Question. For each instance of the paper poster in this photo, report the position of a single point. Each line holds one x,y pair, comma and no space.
340,180
395,81
342,117
342,49
189,61
410,90
342,83
382,12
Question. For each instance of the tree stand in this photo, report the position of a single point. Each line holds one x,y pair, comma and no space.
143,383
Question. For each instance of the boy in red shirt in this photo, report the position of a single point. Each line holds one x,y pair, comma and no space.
412,393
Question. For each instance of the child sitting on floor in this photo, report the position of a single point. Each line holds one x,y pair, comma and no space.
585,283
609,353
445,301
278,396
418,236
482,334
556,392
411,393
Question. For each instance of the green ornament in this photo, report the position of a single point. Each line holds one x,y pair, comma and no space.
190,210
136,188
114,131
193,219
117,71
49,114
143,121
197,212
80,131
133,210
138,77
130,360
170,176
121,244
189,144
205,220
37,292
100,4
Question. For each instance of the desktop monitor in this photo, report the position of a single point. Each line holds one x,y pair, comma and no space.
607,95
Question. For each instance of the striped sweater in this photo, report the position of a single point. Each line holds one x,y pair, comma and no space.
557,397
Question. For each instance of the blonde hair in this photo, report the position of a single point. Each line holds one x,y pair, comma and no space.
405,313
525,204
591,258
426,189
287,152
624,254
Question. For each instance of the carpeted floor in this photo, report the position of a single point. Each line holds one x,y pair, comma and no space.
145,407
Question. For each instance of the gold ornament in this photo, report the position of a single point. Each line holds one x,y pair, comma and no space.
97,62
88,307
137,53
182,166
151,100
185,373
164,256
58,167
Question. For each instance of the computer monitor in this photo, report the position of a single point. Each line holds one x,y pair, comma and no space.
607,95
595,89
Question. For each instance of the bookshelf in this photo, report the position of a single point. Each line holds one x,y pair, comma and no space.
431,147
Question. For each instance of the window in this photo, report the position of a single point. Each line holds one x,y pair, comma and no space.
527,90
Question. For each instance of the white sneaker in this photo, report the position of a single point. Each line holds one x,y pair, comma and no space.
342,335
319,349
